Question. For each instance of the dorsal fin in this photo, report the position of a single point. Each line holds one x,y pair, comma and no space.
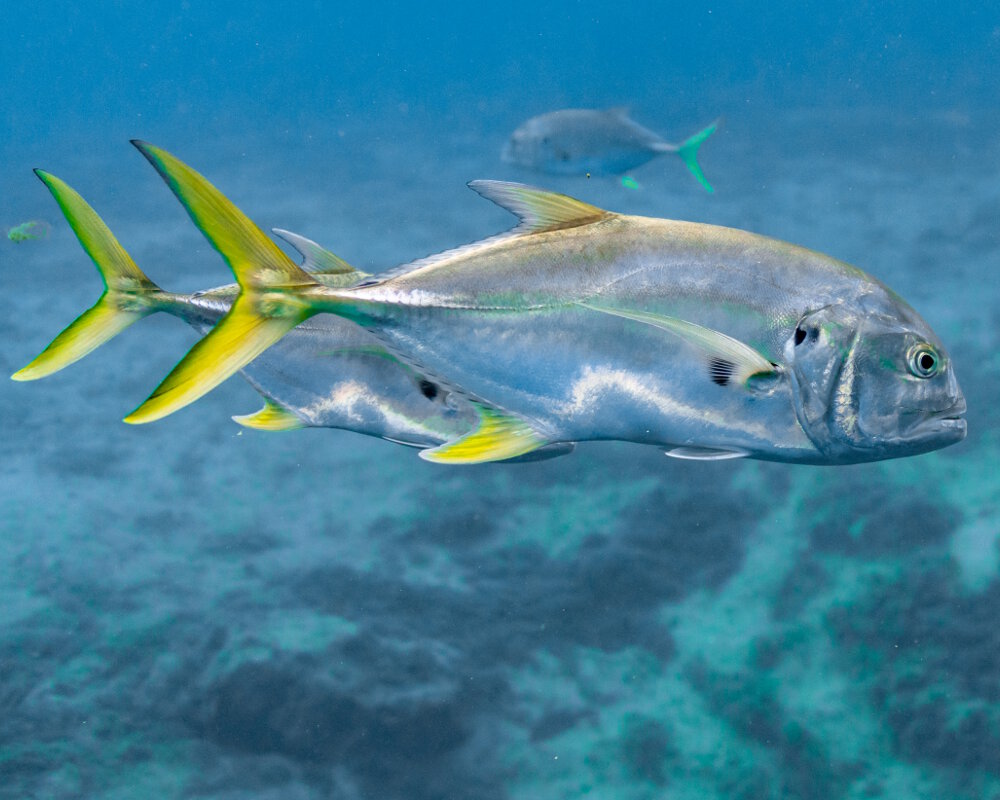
317,258
538,209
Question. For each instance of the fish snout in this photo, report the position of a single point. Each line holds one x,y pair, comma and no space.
947,424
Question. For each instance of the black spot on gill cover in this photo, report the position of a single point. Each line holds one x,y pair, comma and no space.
721,371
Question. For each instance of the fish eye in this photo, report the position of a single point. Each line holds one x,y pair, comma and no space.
923,360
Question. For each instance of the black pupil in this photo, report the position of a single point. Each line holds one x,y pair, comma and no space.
800,336
926,362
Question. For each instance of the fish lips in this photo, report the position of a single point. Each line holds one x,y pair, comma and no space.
947,426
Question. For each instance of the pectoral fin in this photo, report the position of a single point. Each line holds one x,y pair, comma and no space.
728,360
498,436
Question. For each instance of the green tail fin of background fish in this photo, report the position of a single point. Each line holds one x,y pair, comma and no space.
688,151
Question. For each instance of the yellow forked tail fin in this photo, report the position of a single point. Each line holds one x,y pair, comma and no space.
128,294
270,302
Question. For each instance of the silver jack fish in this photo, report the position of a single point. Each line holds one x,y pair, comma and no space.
327,373
581,324
579,141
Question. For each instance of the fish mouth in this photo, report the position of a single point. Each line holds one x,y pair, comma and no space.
945,424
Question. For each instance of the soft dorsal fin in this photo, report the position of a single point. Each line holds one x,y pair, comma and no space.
538,209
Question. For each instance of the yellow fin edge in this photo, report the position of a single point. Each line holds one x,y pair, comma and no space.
498,436
272,417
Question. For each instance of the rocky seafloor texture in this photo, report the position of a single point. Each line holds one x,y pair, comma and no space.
192,610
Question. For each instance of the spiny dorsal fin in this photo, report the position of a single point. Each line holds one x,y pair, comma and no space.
729,360
498,436
538,209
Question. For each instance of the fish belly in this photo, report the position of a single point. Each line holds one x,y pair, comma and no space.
582,375
610,162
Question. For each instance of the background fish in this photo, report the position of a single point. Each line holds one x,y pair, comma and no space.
580,141
581,324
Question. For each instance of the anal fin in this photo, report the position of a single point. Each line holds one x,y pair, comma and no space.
272,417
499,436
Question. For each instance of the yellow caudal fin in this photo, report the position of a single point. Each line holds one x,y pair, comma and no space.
128,294
498,437
238,338
272,417
269,304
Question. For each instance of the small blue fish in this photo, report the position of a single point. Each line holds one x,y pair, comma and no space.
578,141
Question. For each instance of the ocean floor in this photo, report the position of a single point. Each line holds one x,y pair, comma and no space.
193,610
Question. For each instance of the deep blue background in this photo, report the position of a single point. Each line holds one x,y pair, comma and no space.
116,65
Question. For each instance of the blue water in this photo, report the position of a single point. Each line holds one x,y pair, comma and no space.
192,610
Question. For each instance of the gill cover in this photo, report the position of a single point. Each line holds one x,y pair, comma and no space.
820,352
858,396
